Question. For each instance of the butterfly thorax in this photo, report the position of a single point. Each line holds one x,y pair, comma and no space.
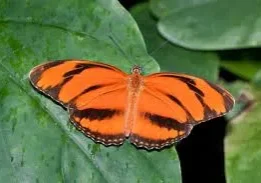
135,86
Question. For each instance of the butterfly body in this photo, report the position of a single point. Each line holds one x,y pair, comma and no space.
134,88
109,105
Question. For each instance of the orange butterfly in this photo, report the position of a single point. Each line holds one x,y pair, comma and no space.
109,105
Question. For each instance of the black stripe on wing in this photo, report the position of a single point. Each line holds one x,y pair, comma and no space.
177,101
165,122
96,114
189,82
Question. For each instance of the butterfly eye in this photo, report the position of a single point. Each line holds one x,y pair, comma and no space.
136,69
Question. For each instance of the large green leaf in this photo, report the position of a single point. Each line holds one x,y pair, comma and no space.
212,25
243,147
243,63
37,142
171,57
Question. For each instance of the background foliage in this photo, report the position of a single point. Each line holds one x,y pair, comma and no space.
215,39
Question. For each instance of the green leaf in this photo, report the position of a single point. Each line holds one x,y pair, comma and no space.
242,145
37,141
244,68
171,57
161,8
243,63
257,79
215,25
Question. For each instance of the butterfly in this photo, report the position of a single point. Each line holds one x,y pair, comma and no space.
108,105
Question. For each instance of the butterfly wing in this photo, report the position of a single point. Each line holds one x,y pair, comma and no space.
88,89
171,104
102,118
64,80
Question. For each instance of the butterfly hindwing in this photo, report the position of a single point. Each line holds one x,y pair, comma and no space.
157,125
102,118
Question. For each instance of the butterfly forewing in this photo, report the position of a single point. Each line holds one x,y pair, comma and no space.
200,99
65,80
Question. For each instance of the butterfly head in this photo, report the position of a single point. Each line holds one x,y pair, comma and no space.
136,70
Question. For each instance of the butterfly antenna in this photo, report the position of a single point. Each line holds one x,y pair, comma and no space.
126,56
116,43
161,46
156,49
